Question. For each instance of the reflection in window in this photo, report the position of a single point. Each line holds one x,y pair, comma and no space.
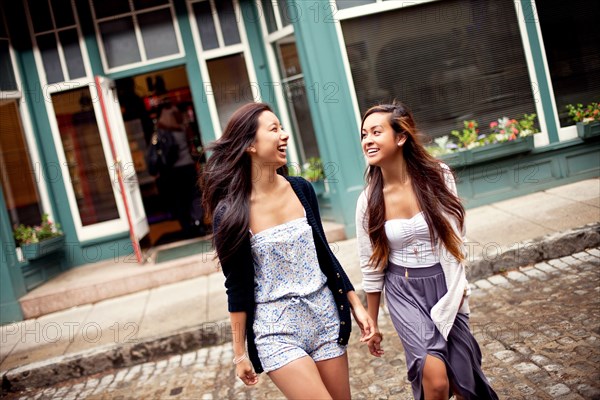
230,85
17,174
89,173
448,60
572,44
120,44
158,33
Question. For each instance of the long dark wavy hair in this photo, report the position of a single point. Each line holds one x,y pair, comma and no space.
227,181
428,182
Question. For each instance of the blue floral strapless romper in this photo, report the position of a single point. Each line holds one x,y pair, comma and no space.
296,314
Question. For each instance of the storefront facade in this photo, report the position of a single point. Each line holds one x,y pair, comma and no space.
72,140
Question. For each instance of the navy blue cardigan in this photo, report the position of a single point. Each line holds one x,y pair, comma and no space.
239,271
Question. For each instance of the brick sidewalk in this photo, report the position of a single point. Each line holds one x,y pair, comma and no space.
537,328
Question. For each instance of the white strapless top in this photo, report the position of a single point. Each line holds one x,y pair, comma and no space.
410,243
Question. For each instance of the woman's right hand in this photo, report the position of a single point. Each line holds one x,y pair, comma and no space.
244,371
374,344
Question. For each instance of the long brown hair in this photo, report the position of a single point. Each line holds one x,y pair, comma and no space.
428,182
227,179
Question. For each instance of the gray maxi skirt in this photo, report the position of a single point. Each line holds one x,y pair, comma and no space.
410,301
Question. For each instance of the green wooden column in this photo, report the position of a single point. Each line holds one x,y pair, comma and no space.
330,105
265,83
11,280
531,24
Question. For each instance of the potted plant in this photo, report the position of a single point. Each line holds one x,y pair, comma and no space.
506,136
312,170
586,118
39,240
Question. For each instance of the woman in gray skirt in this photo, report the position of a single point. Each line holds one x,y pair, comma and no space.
410,224
288,297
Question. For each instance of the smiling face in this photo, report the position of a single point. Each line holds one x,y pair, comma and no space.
378,139
270,144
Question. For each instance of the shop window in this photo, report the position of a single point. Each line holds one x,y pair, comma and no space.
17,173
448,60
230,84
217,23
572,44
57,38
7,75
269,15
341,4
88,170
134,32
297,97
120,43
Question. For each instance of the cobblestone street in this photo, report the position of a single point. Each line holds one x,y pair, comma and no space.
538,329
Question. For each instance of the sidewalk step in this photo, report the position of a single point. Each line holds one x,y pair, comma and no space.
93,283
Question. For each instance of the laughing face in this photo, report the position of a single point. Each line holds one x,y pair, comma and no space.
378,140
270,145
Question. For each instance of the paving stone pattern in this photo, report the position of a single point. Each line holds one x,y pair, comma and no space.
538,328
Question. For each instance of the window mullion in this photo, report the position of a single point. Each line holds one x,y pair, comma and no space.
138,38
61,57
217,22
278,22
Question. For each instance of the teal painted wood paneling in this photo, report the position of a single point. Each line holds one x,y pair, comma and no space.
12,285
89,35
542,78
257,45
547,167
195,78
330,105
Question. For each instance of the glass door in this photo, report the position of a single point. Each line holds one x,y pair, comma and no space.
102,185
124,176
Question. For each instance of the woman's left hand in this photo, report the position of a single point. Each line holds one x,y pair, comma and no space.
365,323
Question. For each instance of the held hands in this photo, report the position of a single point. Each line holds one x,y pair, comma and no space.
365,323
244,371
374,344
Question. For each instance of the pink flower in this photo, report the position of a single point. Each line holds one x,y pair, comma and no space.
515,130
493,124
501,130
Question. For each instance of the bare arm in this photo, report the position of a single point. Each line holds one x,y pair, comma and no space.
361,316
374,344
243,366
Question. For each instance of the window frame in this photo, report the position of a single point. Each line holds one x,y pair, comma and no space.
144,61
28,132
280,97
38,55
567,132
381,6
204,56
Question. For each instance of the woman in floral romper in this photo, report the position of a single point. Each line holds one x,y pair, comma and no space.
288,296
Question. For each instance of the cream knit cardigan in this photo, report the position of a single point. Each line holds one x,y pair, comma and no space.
444,311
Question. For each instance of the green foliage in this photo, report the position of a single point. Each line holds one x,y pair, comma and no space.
312,170
586,114
25,234
503,130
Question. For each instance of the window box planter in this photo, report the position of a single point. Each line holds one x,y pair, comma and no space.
589,130
319,186
489,152
33,251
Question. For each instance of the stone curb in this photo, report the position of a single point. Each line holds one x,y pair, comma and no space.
548,247
89,362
